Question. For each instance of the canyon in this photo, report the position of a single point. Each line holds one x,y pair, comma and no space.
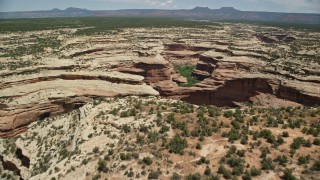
145,66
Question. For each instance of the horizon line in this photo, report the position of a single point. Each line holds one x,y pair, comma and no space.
157,9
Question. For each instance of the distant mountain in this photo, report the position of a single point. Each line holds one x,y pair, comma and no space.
224,13
55,9
69,12
201,9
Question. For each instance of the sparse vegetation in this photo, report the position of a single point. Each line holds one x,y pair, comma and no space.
186,71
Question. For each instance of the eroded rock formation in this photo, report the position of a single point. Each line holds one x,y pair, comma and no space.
232,69
30,98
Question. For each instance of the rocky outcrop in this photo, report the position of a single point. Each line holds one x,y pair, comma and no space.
179,79
176,46
47,94
153,69
154,73
229,80
198,47
213,62
111,76
15,119
86,52
303,93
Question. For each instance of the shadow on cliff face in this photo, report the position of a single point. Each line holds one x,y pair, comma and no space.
241,90
295,95
57,106
232,91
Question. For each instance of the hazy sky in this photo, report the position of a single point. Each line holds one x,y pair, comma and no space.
309,6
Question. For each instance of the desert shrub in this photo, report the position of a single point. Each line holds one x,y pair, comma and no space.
153,137
201,160
147,160
235,161
316,142
241,153
84,161
266,164
307,143
297,142
143,128
267,134
177,145
282,160
222,170
110,152
233,135
237,170
198,146
179,125
287,175
135,155
235,124
126,128
314,129
213,111
140,139
201,113
125,156
201,138
303,159
171,118
247,176
254,171
271,122
95,150
264,152
114,111
316,166
228,114
130,174
153,175
96,177
106,157
271,139
151,111
294,123
102,166
195,176
214,177
232,150
244,140
175,176
164,129
253,120
280,140
207,171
